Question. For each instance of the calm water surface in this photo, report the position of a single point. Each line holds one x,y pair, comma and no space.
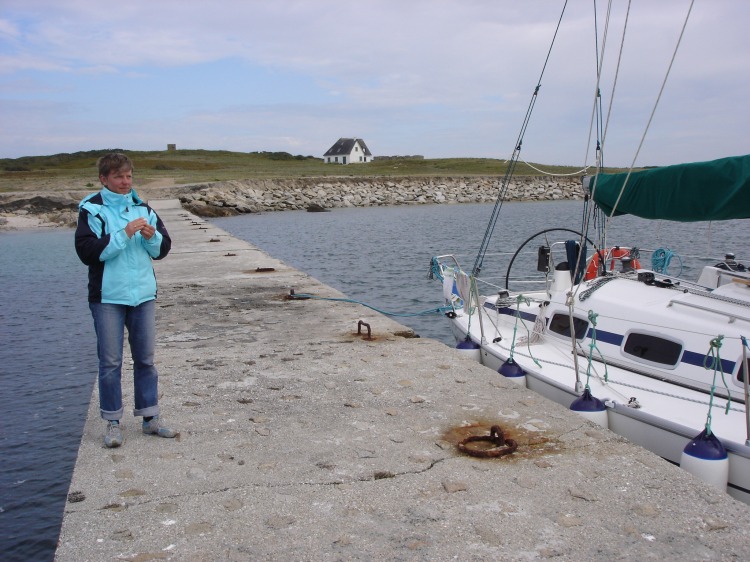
379,256
47,371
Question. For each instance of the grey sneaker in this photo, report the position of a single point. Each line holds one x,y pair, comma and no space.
156,427
113,435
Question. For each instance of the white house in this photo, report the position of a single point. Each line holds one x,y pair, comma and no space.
348,151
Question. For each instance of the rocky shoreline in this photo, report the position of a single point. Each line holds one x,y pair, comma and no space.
236,197
316,194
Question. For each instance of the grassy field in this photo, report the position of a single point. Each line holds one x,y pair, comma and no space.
78,170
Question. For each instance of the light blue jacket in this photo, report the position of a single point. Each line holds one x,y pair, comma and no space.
120,269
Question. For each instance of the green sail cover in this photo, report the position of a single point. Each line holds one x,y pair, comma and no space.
700,191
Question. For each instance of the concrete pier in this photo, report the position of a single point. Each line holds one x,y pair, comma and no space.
301,440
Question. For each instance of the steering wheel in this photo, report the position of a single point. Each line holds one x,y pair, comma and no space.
530,238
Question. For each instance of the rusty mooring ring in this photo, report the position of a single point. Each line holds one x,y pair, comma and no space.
502,447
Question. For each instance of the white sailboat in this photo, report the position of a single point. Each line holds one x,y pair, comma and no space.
658,359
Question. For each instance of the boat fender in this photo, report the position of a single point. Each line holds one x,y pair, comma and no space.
591,408
513,371
706,458
470,349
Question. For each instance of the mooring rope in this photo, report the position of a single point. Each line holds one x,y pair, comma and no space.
521,299
712,360
593,347
437,310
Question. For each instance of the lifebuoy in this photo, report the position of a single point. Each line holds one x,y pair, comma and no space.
613,255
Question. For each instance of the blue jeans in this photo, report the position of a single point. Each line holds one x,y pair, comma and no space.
110,321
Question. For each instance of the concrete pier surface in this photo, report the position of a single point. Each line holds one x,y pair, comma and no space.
301,440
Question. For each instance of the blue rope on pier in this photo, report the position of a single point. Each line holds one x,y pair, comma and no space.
438,310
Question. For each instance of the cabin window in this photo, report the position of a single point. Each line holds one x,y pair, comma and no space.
740,378
650,348
560,324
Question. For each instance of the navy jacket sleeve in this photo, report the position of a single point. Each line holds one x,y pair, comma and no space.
89,245
166,240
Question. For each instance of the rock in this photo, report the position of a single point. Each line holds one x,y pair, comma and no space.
211,210
453,486
230,198
38,204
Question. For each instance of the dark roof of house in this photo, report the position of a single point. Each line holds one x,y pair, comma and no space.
345,146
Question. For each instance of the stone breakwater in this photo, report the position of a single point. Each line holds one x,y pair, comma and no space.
236,197
317,194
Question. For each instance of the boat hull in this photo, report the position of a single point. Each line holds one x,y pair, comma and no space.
657,434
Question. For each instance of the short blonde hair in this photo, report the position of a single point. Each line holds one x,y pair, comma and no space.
112,162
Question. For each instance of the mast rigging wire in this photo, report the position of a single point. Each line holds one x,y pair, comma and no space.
651,116
513,160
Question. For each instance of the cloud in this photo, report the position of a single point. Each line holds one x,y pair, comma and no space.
435,77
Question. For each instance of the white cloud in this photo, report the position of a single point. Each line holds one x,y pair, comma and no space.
437,77
8,30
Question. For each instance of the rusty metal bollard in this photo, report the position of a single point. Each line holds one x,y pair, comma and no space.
359,329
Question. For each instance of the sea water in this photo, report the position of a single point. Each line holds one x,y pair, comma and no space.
379,256
47,370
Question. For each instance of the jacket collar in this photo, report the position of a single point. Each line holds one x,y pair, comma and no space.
116,200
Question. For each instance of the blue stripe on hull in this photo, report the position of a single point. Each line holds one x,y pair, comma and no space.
699,359
612,338
607,337
511,312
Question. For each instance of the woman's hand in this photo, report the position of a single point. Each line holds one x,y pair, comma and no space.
148,231
138,225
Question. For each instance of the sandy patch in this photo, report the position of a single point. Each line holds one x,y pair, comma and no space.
14,222
161,182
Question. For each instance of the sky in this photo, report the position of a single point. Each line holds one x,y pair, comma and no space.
438,78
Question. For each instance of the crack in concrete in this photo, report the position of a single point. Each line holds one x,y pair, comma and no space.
172,497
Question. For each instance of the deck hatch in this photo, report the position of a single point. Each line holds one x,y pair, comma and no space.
560,324
650,348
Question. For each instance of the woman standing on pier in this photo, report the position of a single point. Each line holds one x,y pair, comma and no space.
117,237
